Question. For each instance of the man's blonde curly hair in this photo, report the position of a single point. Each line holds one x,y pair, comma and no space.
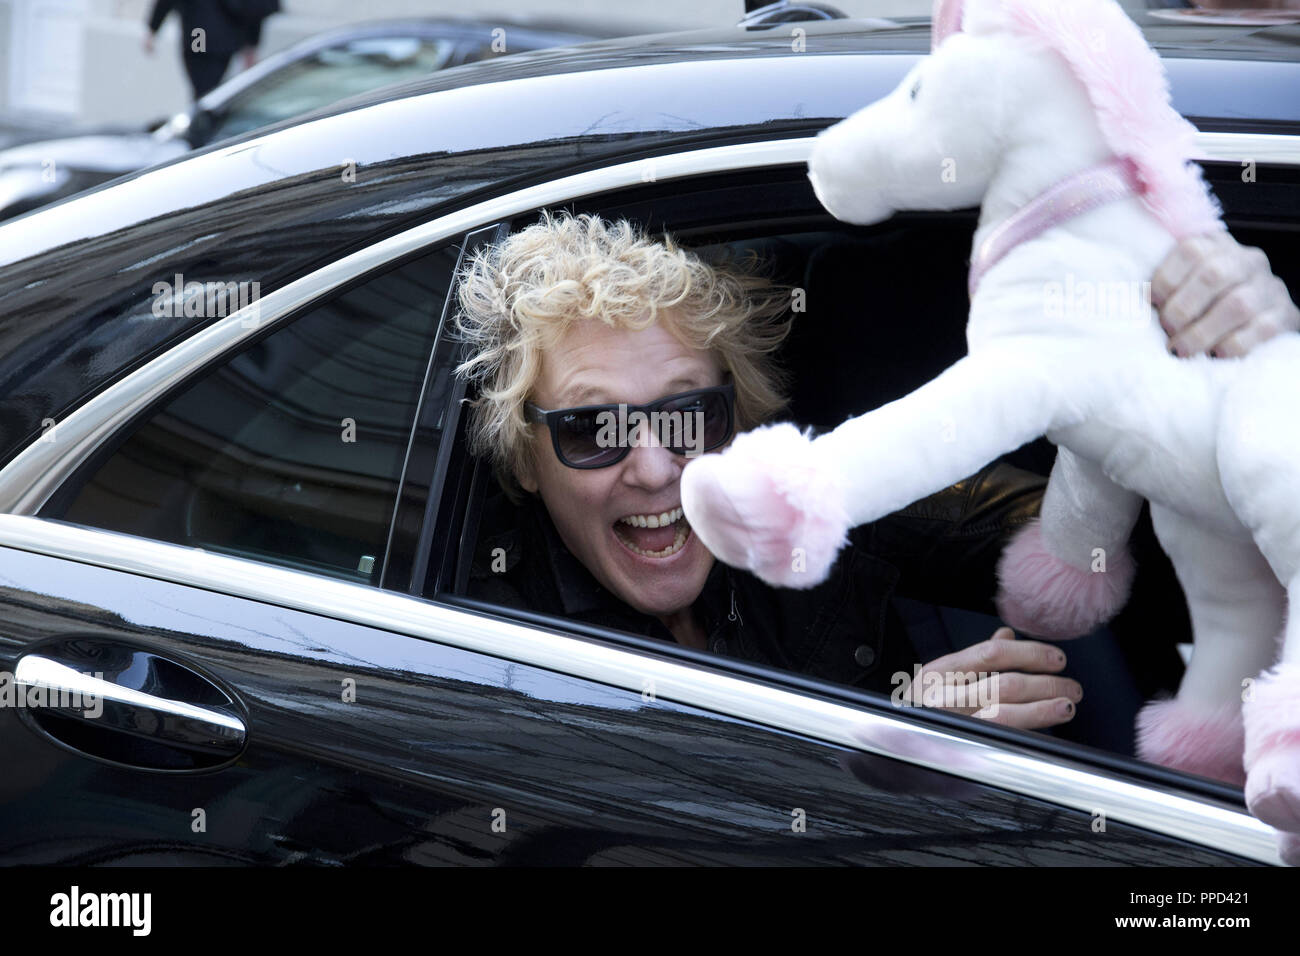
519,296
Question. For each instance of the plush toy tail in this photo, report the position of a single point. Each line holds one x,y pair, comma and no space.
1069,571
770,505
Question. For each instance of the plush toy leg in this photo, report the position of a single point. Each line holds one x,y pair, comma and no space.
1070,571
1259,462
779,505
1237,608
989,403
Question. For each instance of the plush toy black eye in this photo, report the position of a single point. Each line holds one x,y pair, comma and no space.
916,88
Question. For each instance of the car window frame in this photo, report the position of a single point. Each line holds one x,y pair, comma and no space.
29,477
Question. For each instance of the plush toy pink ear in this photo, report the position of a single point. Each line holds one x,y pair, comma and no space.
945,20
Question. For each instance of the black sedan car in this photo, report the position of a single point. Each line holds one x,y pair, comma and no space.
237,513
320,70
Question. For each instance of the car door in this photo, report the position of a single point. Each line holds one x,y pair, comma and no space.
225,653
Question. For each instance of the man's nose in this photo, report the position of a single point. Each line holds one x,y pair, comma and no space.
649,464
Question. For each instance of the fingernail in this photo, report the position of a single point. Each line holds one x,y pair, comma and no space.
1059,657
1067,709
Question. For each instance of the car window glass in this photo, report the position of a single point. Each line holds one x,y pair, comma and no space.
292,450
330,75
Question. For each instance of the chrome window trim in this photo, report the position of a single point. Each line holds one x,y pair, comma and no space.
1055,780
29,480
1266,149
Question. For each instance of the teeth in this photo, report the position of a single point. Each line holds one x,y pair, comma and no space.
678,540
653,521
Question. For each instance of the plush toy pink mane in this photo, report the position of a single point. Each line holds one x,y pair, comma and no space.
1127,87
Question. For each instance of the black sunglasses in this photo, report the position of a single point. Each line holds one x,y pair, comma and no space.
596,436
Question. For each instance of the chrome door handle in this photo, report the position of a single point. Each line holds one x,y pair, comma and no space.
129,706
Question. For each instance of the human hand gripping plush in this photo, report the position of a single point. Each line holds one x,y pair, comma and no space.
1055,119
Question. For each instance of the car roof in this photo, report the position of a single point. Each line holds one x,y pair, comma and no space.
907,35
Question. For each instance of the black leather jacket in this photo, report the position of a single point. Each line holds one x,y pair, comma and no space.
943,550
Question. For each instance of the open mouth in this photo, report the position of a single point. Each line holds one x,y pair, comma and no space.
653,535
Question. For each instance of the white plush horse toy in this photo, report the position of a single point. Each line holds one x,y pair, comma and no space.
1054,117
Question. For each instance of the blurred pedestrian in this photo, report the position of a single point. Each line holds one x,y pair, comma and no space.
212,32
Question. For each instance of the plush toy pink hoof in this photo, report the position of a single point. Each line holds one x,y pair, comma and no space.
1273,789
1273,748
1041,595
1205,741
768,506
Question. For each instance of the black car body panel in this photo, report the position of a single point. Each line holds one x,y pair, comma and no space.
439,742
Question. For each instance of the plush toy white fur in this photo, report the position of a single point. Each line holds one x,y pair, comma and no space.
1017,97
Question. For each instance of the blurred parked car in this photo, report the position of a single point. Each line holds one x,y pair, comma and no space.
316,72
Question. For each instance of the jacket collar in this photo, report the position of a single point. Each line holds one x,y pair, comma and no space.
577,591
